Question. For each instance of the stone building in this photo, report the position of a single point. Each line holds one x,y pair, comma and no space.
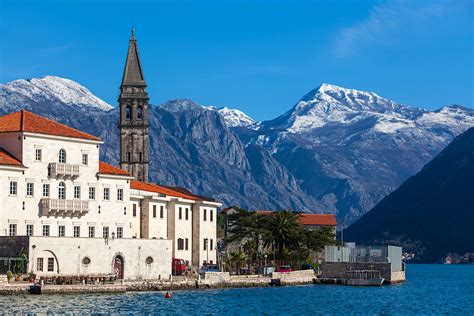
74,214
133,103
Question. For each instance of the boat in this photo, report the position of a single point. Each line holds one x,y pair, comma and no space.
363,278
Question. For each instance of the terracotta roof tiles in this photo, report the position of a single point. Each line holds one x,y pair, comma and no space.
105,168
24,121
152,187
7,159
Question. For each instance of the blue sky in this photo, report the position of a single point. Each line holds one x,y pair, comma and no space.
258,56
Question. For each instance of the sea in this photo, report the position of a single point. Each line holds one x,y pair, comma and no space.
429,290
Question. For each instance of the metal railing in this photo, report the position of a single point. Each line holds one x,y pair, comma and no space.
64,207
63,169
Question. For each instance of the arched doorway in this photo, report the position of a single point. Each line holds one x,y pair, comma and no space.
118,267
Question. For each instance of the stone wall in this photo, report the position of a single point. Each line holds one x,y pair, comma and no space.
294,277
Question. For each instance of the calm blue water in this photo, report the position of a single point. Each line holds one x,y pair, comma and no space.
430,289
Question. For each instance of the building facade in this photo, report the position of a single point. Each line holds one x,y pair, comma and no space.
72,214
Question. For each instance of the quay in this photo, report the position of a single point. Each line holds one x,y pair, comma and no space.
211,280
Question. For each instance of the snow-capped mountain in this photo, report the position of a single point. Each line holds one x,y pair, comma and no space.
234,117
337,150
334,105
49,89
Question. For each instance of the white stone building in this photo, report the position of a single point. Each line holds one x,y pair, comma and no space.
79,215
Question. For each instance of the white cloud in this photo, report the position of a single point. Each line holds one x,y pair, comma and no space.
387,22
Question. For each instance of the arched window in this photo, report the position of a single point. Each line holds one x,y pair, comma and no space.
139,113
128,112
62,155
62,191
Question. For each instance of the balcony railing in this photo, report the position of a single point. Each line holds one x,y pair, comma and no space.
53,207
63,170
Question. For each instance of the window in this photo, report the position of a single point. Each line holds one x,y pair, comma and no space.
128,112
91,193
77,231
61,230
13,187
119,194
134,211
106,194
211,215
77,192
45,230
205,244
12,231
85,159
212,244
187,213
186,244
38,154
180,214
62,191
129,156
161,211
46,190
154,211
50,264
105,232
39,264
204,214
62,156
91,231
119,232
29,230
30,189
180,244
139,113
140,155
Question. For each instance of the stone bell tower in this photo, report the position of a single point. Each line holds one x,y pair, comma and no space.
133,103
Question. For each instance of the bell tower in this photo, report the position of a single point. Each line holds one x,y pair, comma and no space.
133,103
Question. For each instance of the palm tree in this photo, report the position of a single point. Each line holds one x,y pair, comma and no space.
284,230
238,258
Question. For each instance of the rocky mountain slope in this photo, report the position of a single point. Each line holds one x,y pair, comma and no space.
337,150
432,213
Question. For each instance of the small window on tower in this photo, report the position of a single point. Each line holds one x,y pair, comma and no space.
129,156
139,113
128,112
141,156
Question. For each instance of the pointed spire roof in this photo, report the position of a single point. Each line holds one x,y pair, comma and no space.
133,73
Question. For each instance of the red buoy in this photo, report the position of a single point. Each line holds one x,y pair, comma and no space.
168,295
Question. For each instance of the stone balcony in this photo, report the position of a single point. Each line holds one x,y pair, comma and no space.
63,170
74,208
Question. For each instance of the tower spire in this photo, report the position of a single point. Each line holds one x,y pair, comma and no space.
133,73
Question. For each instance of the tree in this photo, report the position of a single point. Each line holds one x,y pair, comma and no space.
238,258
284,231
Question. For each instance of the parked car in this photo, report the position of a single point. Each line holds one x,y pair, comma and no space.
285,268
179,266
209,268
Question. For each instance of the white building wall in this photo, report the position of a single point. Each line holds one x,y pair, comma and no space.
183,230
157,224
206,230
68,254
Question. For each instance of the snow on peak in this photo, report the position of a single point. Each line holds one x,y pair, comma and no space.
235,118
179,105
53,89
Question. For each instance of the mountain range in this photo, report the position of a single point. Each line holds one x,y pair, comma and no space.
336,150
430,214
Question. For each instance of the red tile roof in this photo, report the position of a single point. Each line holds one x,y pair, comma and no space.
7,159
152,187
318,219
24,121
310,219
105,168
